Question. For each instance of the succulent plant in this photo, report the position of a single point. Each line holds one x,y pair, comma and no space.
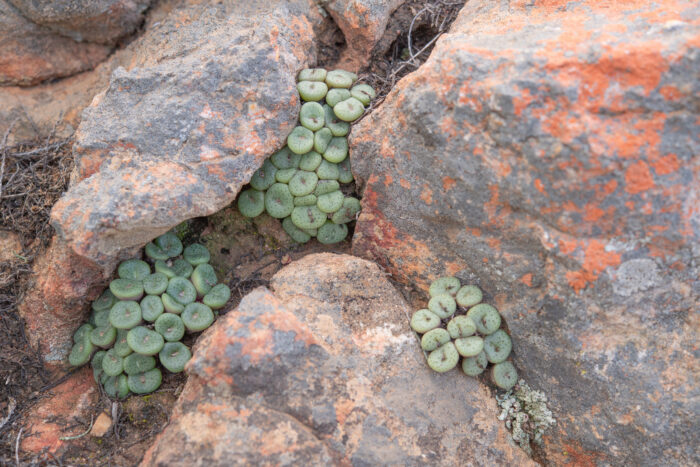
196,254
300,140
340,79
486,318
170,244
181,290
137,363
312,74
103,336
424,320
134,269
444,285
469,346
311,116
171,305
434,338
312,91
349,110
264,177
330,233
444,358
82,332
127,289
337,95
251,202
363,93
295,232
303,183
285,175
442,305
151,307
279,202
474,366
217,297
197,317
144,383
322,138
310,162
170,326
468,295
330,202
105,301
337,150
504,375
174,356
112,364
155,284
308,217
461,326
125,315
497,346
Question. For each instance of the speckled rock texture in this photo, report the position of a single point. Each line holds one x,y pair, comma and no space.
30,53
97,21
208,93
363,23
549,152
324,370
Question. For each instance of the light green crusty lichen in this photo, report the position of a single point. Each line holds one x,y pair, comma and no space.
526,414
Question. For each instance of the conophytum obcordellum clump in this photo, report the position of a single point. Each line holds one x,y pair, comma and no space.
140,319
301,183
457,325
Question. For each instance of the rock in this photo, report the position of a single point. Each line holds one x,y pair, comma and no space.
10,246
551,162
46,422
97,21
30,54
326,371
183,124
101,426
208,94
363,23
57,301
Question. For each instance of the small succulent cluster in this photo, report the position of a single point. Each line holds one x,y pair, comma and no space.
301,183
143,314
526,414
456,324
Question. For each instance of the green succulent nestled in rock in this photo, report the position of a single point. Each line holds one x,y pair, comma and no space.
128,332
457,325
301,183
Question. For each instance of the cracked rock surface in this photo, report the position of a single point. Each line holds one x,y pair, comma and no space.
323,369
549,153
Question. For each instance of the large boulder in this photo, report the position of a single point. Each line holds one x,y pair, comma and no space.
208,93
325,370
549,152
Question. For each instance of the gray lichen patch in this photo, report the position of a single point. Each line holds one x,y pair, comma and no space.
526,414
635,275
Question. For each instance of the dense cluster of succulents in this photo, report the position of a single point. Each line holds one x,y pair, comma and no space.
457,325
301,183
526,414
145,313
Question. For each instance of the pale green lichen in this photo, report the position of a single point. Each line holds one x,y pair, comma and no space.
526,414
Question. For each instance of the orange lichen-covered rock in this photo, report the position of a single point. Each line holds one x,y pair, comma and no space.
48,421
363,23
325,370
549,152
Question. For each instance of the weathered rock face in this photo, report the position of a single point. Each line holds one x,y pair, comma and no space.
363,23
325,370
47,422
550,154
98,21
30,53
208,93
